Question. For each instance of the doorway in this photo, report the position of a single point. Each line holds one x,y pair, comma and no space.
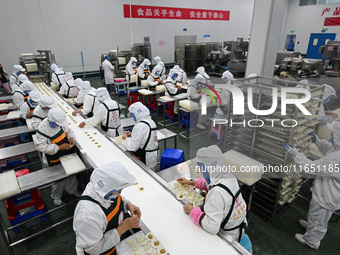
287,41
317,40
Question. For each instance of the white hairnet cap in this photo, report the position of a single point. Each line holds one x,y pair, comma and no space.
23,77
199,79
157,59
157,68
77,82
176,67
58,116
305,81
27,85
172,72
18,68
111,177
335,127
146,61
227,74
68,76
139,110
85,86
54,67
329,91
47,101
252,75
102,94
133,59
200,70
34,95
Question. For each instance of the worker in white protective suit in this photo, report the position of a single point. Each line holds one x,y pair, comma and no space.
58,75
326,186
101,218
131,68
14,78
154,77
69,89
329,94
252,75
159,61
79,100
172,88
55,139
108,69
228,76
40,112
201,72
142,141
225,94
91,102
21,78
107,113
27,108
182,77
224,210
143,69
20,95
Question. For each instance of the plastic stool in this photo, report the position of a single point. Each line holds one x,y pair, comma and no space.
171,157
217,132
134,97
152,103
169,110
23,137
9,162
23,201
119,90
192,122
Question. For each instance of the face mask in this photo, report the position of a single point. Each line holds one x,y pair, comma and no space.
134,117
18,73
157,73
33,103
26,92
53,124
112,196
332,140
327,99
174,76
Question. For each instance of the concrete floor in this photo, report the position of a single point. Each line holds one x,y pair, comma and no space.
268,238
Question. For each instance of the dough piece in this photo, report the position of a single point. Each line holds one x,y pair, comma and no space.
161,250
149,251
140,238
145,242
132,242
148,246
150,236
155,243
180,197
138,252
135,248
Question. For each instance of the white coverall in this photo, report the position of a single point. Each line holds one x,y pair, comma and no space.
18,97
38,115
25,109
140,134
69,86
218,201
100,115
108,72
89,221
13,79
131,68
182,76
143,68
326,186
58,75
90,101
44,145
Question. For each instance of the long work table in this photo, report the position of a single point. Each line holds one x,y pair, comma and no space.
162,213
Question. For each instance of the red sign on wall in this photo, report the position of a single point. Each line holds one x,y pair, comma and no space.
333,21
157,12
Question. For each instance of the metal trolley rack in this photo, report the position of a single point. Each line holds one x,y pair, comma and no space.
275,191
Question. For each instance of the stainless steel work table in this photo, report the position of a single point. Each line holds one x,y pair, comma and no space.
16,150
14,131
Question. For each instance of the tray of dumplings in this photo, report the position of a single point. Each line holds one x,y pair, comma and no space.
141,244
187,192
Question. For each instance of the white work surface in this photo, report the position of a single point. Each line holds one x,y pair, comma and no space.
161,212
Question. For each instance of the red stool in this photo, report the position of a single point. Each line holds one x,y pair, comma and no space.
134,97
23,201
152,103
218,132
169,110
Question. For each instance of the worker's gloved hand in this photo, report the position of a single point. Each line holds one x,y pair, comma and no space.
64,146
72,143
188,208
134,210
183,181
291,149
314,137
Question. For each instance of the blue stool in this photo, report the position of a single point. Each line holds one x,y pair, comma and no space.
23,137
192,121
171,157
120,90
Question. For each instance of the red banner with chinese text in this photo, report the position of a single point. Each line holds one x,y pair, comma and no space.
334,21
157,12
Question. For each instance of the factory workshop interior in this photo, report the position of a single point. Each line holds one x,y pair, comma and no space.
170,127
